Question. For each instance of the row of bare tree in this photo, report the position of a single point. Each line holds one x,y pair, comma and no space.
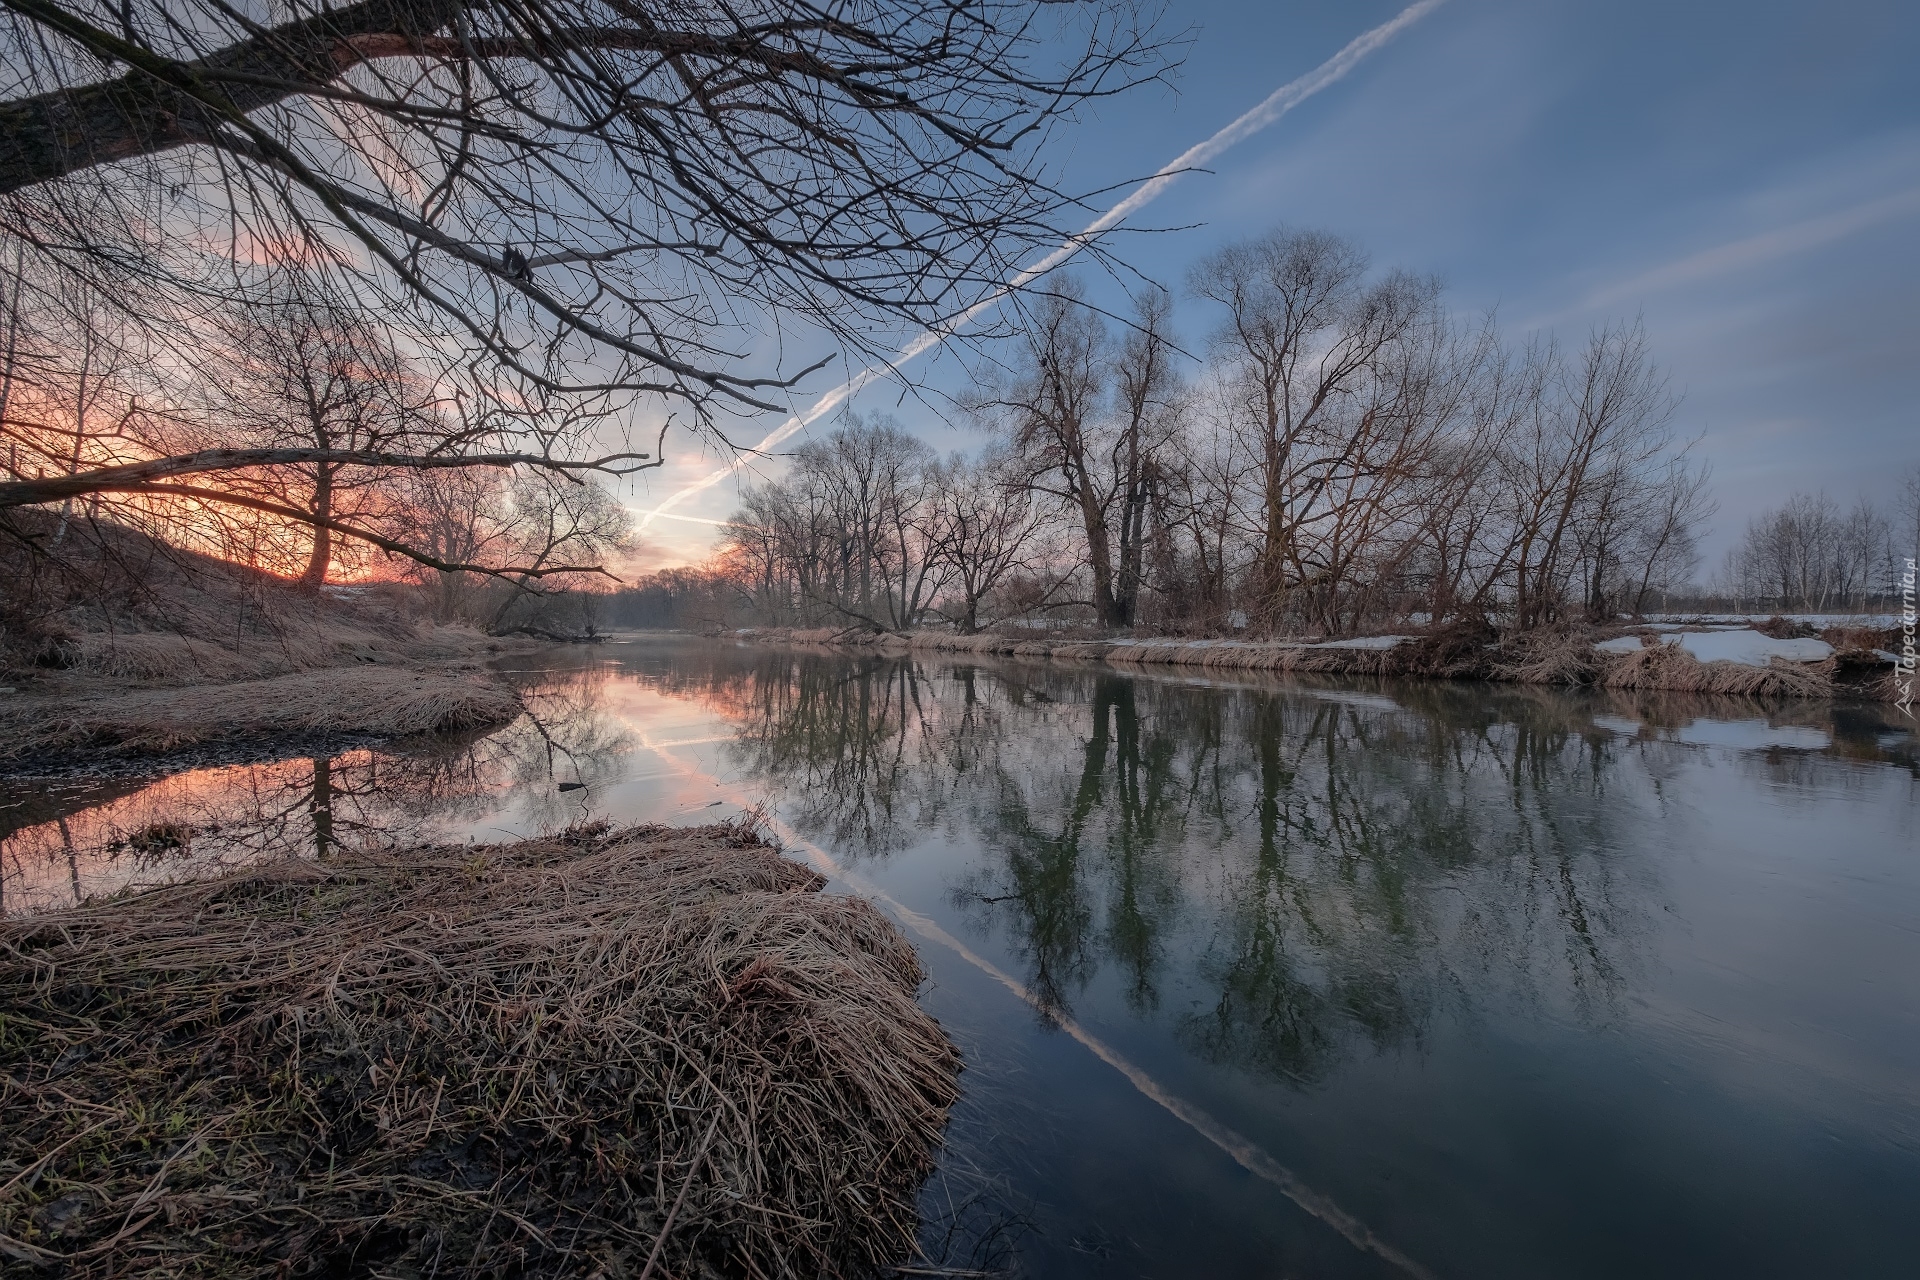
870,528
1347,455
1810,556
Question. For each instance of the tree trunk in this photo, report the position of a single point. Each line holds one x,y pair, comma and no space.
322,554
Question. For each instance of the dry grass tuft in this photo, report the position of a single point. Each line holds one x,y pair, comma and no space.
159,656
1458,650
171,657
388,701
551,1058
1783,628
1550,655
1668,666
1862,638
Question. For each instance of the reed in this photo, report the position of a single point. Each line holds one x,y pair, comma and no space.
1670,667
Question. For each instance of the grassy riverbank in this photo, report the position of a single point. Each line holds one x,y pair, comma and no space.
617,1053
135,649
120,722
1844,663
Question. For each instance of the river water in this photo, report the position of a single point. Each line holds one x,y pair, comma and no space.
1255,977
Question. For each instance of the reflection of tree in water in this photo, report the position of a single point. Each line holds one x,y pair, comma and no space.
1400,859
1332,868
850,741
205,821
1108,809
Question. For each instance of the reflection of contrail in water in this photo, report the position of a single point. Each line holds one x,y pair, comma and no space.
1278,103
1244,1151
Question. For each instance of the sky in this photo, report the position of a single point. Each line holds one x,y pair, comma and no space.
1744,177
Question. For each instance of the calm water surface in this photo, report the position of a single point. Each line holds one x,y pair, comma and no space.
1261,979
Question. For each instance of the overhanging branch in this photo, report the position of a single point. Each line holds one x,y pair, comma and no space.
40,492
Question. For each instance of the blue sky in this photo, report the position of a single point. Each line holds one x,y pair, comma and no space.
1746,177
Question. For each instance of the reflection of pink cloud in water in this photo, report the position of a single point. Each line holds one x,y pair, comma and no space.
185,827
205,822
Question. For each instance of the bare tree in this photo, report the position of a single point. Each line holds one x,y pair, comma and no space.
1809,555
850,534
458,517
1467,540
553,521
1092,421
1665,535
306,372
1306,336
1349,456
1148,402
984,521
1202,543
572,202
68,392
1586,444
1907,506
1050,411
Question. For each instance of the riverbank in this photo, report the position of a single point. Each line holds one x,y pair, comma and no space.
129,654
644,1052
132,724
1722,659
328,674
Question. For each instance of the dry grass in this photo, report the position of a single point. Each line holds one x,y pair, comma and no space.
561,1057
389,701
1783,628
117,605
313,644
1556,655
1858,638
1670,667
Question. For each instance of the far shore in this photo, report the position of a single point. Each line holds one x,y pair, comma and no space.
1763,661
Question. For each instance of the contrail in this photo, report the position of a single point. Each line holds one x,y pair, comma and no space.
667,515
1278,103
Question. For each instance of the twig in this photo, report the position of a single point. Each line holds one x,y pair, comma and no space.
661,1240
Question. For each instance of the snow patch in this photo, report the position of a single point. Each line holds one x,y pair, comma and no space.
1818,621
1620,644
1748,647
1363,642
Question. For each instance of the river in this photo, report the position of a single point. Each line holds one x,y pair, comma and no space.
1254,977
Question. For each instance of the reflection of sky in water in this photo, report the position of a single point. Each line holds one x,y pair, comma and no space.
1483,982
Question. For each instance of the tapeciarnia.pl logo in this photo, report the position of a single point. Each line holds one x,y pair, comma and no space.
1903,669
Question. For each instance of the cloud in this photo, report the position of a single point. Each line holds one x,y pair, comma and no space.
1759,250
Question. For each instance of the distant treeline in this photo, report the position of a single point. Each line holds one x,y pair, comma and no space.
1810,556
1346,456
